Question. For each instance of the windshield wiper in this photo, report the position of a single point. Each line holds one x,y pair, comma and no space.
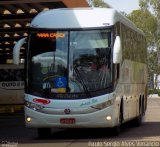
81,81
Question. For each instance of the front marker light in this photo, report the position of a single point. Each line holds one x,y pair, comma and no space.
108,118
28,119
103,105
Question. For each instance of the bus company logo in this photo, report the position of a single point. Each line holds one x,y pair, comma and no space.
67,111
50,35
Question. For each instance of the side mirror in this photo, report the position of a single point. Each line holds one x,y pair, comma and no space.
117,51
16,50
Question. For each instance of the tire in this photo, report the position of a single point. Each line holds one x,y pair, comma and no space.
44,132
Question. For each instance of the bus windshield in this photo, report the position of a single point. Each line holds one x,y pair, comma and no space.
69,62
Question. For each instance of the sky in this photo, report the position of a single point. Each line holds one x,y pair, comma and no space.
124,5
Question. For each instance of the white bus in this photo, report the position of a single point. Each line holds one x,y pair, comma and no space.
85,68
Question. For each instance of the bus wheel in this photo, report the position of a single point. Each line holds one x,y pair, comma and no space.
44,132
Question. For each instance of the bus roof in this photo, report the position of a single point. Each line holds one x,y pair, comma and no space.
75,18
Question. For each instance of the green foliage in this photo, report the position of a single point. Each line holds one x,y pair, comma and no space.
100,3
158,92
154,7
154,91
154,4
143,4
152,62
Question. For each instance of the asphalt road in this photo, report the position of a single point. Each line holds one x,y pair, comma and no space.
13,133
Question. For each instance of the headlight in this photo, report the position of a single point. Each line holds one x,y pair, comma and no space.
103,105
33,106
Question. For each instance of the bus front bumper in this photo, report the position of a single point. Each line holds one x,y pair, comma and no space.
99,119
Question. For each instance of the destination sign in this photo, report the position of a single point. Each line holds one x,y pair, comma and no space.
50,35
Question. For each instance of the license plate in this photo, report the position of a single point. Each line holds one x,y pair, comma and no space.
67,121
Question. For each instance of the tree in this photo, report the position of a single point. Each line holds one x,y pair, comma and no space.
152,66
100,3
154,7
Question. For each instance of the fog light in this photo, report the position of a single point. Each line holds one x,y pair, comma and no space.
108,118
28,119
